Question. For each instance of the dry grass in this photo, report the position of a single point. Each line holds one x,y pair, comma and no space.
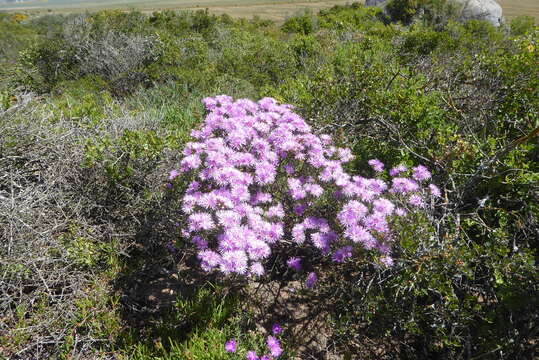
513,8
274,10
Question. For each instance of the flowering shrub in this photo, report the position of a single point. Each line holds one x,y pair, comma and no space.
261,177
273,345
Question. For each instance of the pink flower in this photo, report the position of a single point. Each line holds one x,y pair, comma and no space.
403,185
230,346
274,346
383,206
257,172
434,190
420,173
416,200
376,222
377,165
400,212
358,233
397,170
200,221
173,174
234,262
251,355
351,213
387,261
298,233
209,259
257,269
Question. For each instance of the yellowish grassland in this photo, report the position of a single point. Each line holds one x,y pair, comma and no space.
276,10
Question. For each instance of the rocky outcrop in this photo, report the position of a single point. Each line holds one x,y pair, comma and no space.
374,2
488,10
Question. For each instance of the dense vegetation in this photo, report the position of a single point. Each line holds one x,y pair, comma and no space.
95,110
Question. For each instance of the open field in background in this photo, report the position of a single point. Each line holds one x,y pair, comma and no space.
276,10
512,8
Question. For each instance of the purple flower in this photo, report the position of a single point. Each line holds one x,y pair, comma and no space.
276,211
209,259
376,222
387,261
420,173
314,189
383,206
416,200
294,263
173,174
190,162
276,329
403,185
257,269
359,234
289,169
230,346
298,234
251,355
257,170
199,242
234,262
377,165
265,173
311,280
172,248
342,254
400,212
397,170
377,185
300,209
434,190
274,346
351,213
200,221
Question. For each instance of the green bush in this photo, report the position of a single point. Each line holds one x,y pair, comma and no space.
304,24
522,25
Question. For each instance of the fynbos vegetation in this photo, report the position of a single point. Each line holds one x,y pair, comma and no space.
351,184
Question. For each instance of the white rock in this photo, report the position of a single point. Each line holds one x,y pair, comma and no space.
488,10
374,2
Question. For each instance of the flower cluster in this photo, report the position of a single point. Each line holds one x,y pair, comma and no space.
273,344
261,177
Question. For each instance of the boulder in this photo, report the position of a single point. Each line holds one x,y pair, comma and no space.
374,2
488,10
